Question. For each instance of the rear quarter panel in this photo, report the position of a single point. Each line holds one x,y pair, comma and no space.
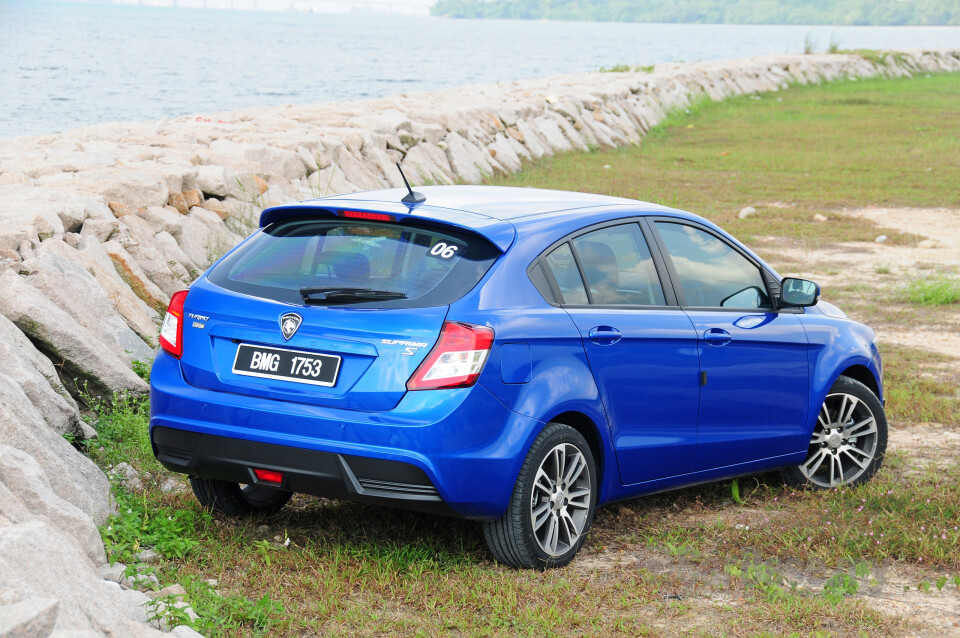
560,379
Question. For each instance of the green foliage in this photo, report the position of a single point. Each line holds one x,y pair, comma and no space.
142,521
626,68
122,433
224,615
735,491
166,608
841,12
839,586
934,291
142,369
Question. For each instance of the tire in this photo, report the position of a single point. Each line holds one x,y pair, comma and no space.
233,500
547,519
849,439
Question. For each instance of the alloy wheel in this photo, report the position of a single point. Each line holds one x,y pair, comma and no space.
844,442
560,502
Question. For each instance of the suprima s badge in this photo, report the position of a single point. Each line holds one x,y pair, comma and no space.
289,324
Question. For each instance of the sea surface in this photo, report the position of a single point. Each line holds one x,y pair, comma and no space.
67,65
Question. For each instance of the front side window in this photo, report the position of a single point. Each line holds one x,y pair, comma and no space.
418,266
711,273
618,267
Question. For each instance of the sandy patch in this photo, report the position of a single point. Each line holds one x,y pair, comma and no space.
873,265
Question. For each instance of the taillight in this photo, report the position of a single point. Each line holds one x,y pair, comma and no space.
456,360
171,332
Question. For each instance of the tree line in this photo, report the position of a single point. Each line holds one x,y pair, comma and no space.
806,12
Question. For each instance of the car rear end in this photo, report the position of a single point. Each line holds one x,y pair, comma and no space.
319,357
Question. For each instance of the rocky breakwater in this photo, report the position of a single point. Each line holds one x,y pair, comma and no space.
99,226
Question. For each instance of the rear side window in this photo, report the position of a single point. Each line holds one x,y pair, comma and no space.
427,266
618,267
564,270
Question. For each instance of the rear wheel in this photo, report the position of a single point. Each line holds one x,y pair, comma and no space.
238,500
552,504
849,439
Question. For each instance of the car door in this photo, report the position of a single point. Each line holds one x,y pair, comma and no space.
753,359
641,347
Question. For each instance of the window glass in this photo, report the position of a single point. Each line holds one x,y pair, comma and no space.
429,266
560,262
712,274
617,265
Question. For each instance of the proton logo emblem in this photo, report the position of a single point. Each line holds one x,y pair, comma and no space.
289,324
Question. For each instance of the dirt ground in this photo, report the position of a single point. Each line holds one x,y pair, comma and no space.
876,265
868,267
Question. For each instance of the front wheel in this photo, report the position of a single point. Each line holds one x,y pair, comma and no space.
238,500
849,439
552,504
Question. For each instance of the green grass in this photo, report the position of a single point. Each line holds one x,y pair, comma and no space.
350,569
789,154
935,291
916,393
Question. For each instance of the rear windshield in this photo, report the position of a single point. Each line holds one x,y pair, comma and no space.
429,267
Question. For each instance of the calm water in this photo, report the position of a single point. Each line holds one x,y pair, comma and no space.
63,66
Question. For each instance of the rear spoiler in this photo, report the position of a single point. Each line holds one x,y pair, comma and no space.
498,232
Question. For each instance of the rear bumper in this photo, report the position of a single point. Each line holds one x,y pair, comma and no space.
447,451
305,471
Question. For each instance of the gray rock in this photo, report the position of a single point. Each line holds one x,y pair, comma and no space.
215,180
747,211
257,158
127,476
74,289
138,239
144,582
172,485
881,239
84,357
468,162
22,478
38,380
205,237
148,556
72,476
112,573
127,186
31,618
90,254
182,631
36,561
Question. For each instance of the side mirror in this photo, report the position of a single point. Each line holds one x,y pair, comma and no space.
799,292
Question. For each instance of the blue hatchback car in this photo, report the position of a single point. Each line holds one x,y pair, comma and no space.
515,356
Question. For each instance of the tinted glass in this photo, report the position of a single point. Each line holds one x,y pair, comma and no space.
431,267
712,274
617,265
560,262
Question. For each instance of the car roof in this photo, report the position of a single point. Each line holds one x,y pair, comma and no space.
493,211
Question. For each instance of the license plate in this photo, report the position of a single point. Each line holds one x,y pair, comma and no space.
287,365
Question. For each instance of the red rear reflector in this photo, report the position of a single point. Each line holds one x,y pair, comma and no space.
171,333
269,476
359,214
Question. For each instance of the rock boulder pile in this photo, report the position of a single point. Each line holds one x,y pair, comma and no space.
99,226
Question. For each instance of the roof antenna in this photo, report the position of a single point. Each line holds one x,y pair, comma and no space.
411,197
